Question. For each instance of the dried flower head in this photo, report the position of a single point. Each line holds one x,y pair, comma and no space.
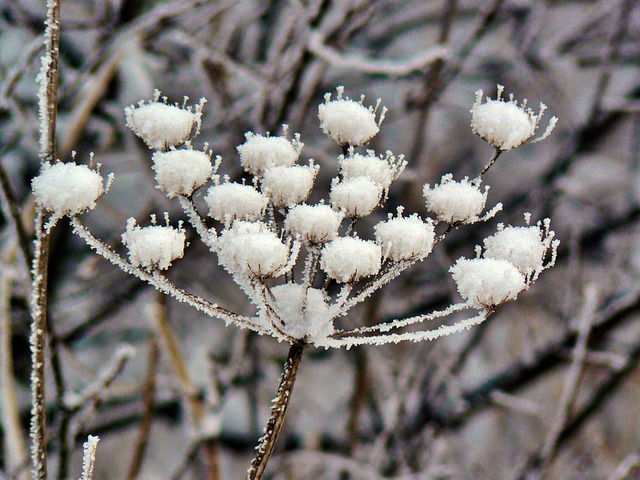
504,124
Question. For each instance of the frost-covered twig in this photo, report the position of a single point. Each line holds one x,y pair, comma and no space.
89,457
278,411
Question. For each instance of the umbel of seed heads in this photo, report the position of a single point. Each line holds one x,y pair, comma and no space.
284,252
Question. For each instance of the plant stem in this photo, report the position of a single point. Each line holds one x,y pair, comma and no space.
278,411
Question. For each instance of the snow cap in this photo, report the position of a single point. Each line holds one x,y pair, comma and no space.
356,197
349,123
261,152
234,201
288,186
349,259
404,238
487,282
161,125
505,124
314,224
181,172
153,246
455,202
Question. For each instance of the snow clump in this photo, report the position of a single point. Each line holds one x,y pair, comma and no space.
505,124
67,188
234,201
404,238
356,197
349,259
487,282
161,125
314,224
382,171
349,123
523,247
303,318
288,186
181,172
259,152
153,246
455,202
251,249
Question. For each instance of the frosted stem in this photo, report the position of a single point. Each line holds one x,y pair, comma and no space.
495,156
278,411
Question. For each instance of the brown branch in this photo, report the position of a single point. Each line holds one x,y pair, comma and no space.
278,410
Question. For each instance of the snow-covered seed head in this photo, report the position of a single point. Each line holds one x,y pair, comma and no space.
259,153
288,186
347,122
250,249
355,197
163,126
455,202
67,188
523,247
504,124
234,201
349,259
380,170
181,172
154,246
314,224
405,238
307,319
487,282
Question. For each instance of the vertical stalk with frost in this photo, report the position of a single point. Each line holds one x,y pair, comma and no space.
47,96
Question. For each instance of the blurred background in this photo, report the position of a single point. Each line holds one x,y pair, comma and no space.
547,388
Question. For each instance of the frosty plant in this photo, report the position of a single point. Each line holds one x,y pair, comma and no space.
305,266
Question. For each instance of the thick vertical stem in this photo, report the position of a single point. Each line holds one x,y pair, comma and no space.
278,412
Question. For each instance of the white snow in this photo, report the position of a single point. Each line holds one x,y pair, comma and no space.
304,317
288,186
455,202
523,247
313,223
349,259
163,126
251,249
67,188
381,171
89,457
234,201
259,152
505,124
181,172
356,197
403,238
487,282
153,246
346,122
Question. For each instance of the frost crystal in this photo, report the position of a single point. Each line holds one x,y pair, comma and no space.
523,247
181,172
233,201
259,153
303,318
349,259
67,188
455,202
356,197
382,171
505,124
250,249
288,186
487,282
313,223
154,246
348,123
405,238
163,126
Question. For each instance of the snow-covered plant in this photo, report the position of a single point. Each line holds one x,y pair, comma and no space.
306,266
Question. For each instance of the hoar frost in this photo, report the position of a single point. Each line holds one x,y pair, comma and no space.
161,125
153,246
349,123
505,124
285,254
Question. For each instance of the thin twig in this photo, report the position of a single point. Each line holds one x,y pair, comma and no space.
278,411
